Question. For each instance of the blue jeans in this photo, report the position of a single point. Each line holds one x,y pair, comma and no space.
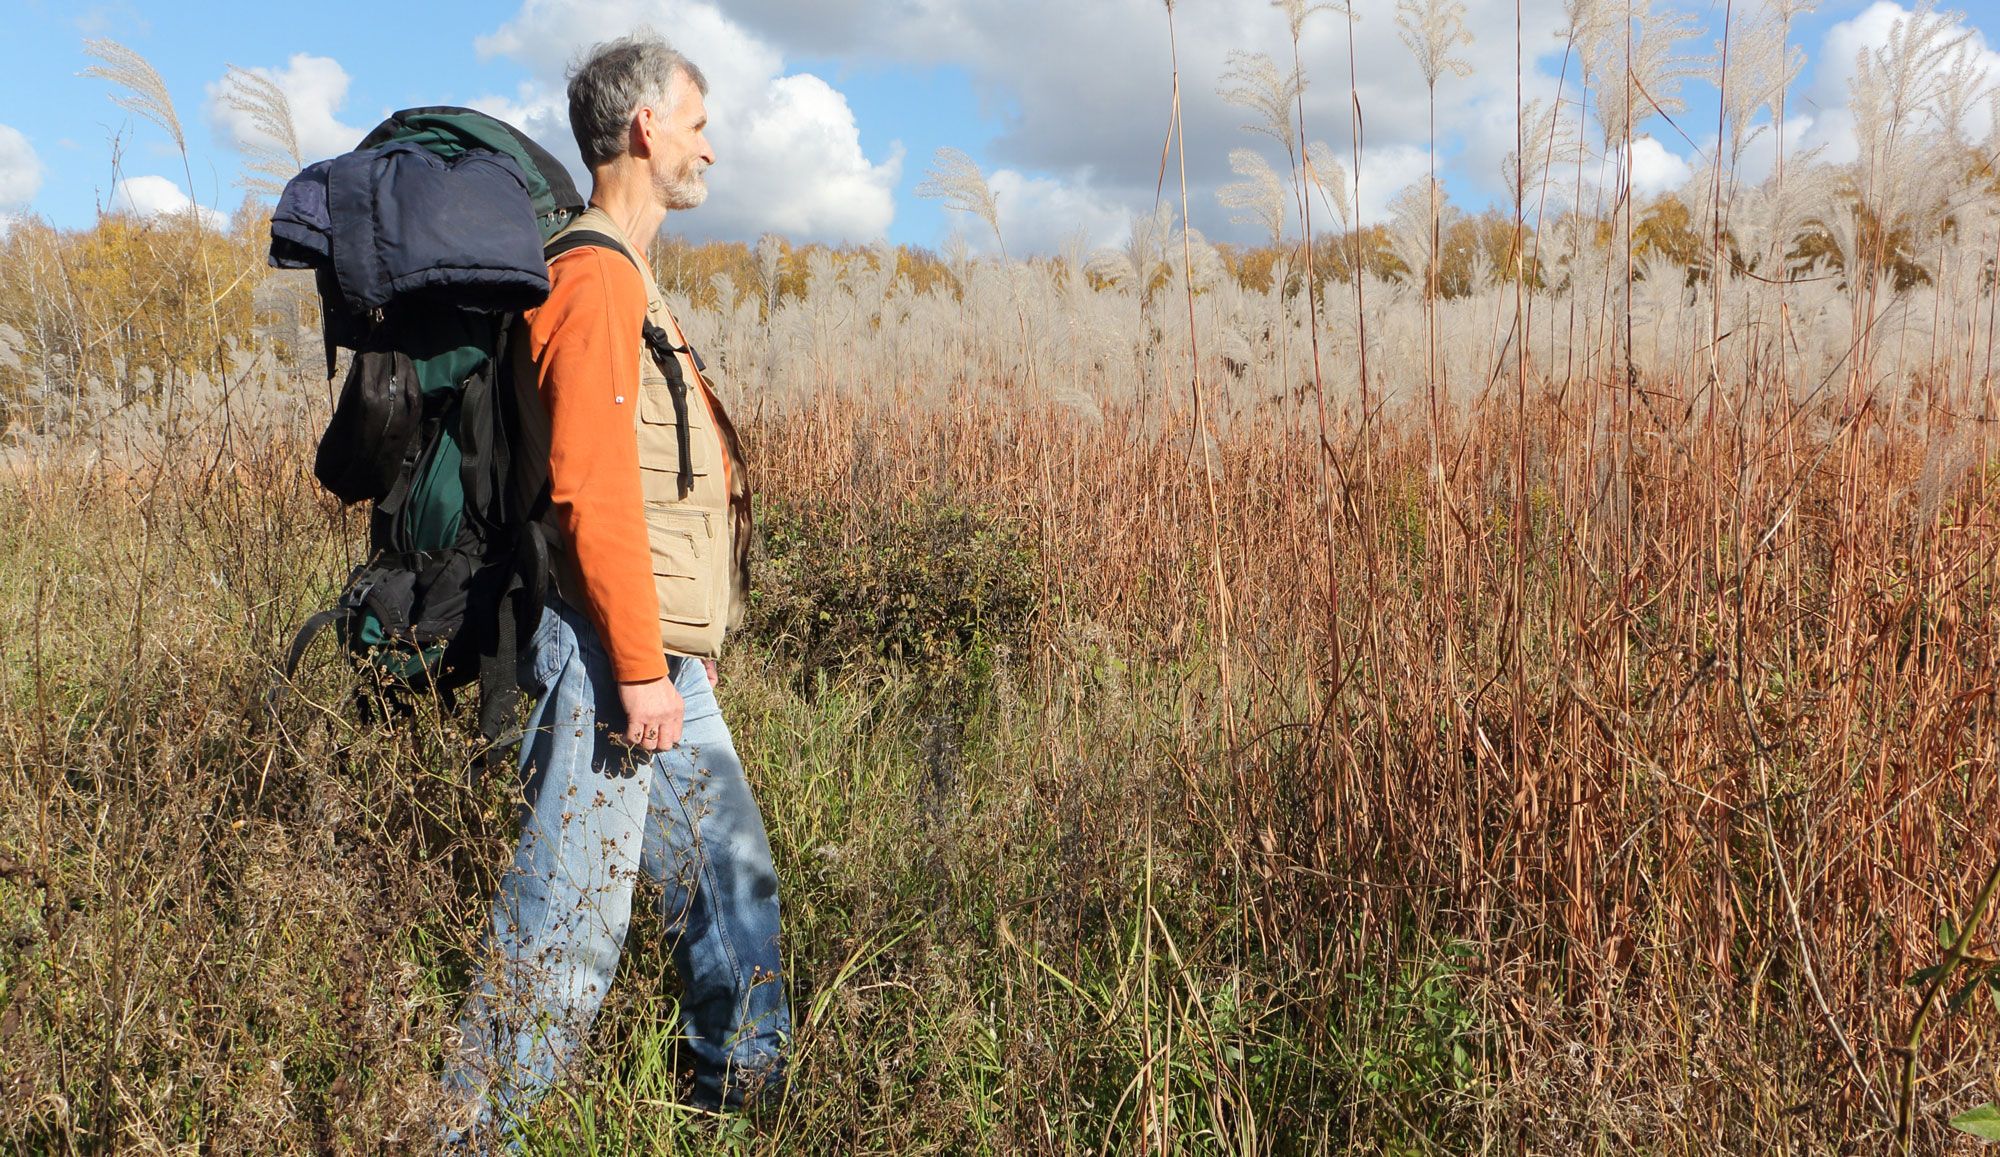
596,816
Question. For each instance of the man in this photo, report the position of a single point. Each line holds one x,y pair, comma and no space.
628,767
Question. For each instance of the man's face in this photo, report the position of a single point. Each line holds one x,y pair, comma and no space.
680,148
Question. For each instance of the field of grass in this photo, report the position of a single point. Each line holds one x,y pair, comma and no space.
1516,684
1589,811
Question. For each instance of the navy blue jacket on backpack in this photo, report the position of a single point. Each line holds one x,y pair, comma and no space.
398,220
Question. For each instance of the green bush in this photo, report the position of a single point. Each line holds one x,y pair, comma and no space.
927,583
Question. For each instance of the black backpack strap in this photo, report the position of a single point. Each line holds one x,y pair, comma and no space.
308,633
520,609
499,684
661,346
579,239
281,688
664,349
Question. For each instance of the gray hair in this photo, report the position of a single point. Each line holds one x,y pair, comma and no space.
611,83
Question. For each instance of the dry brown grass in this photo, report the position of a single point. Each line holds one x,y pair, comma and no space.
1690,770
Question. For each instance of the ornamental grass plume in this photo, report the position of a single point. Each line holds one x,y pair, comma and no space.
1259,198
273,151
145,93
1326,175
1433,30
1636,56
955,179
1252,80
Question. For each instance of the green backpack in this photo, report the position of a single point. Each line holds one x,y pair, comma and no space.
427,430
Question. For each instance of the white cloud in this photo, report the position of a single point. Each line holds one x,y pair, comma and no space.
1655,170
801,143
788,152
1083,90
1386,170
153,196
315,88
20,168
1037,214
1760,155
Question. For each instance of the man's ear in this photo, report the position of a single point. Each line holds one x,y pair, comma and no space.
639,132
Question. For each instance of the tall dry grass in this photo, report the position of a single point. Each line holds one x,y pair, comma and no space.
1634,859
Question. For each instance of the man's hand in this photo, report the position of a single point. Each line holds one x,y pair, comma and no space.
652,714
708,665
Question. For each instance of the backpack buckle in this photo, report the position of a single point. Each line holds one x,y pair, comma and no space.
355,597
388,594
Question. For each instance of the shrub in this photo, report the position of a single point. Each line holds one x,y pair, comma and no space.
926,582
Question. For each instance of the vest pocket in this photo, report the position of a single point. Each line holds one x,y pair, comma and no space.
683,548
656,417
659,446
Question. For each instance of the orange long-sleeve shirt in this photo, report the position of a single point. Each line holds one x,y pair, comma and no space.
586,345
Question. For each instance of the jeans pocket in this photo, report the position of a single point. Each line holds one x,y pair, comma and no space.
697,693
549,651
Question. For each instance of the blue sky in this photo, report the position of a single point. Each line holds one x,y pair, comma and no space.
828,111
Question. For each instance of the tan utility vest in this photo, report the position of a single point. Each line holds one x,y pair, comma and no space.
701,539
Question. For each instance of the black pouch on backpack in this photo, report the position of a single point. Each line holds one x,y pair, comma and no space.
381,407
418,598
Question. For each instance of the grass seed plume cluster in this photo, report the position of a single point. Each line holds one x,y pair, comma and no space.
1510,681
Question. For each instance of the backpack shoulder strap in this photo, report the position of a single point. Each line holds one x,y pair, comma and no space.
581,239
658,342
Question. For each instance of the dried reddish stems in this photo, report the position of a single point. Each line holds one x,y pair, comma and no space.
1648,883
1836,578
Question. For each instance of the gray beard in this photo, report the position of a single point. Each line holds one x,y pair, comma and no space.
685,190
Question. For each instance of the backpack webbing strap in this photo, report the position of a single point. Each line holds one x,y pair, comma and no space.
281,688
523,596
579,239
664,349
499,685
307,633
484,442
658,343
